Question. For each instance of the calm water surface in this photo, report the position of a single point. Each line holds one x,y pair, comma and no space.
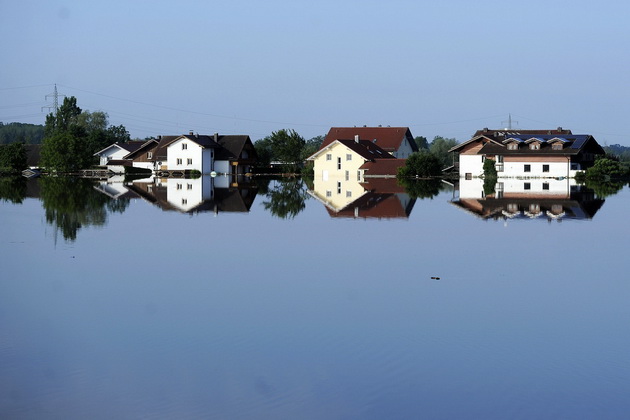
211,305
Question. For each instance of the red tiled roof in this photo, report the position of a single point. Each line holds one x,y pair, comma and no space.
388,138
381,167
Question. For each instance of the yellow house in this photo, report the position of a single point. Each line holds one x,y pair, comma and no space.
339,167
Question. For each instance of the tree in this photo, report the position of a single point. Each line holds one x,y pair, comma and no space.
263,151
73,136
440,147
311,146
421,164
13,156
286,147
421,142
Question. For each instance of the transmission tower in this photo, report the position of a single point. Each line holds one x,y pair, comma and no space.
509,121
55,105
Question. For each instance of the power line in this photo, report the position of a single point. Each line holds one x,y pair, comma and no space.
55,105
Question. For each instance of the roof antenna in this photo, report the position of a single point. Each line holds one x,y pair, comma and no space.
509,121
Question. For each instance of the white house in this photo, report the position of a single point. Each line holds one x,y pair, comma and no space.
117,151
527,153
191,153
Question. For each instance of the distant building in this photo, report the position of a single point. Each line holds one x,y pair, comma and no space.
527,153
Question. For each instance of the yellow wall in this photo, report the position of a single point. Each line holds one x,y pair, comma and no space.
332,184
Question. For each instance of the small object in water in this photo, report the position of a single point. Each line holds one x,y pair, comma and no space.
435,278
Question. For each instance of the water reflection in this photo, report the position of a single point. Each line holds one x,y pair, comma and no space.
72,203
380,198
187,195
286,198
540,199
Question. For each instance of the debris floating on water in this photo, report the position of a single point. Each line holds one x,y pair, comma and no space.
435,278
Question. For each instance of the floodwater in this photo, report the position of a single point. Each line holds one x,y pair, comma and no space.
212,299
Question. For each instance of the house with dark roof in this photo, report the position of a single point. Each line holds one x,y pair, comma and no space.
396,141
527,153
224,154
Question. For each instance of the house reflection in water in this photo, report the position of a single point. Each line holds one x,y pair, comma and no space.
188,195
378,198
535,198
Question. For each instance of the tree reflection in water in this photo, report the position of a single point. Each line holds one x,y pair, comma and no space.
72,203
286,198
13,189
422,188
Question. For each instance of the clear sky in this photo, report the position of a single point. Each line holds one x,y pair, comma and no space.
251,67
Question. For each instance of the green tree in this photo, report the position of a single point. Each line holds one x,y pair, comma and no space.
73,136
263,151
13,157
421,142
311,146
287,147
421,164
440,147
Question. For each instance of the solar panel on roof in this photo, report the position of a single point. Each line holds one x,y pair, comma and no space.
579,142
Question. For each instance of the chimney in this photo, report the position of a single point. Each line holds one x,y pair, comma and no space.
356,138
190,133
216,136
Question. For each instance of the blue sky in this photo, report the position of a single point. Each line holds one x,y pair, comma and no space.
251,67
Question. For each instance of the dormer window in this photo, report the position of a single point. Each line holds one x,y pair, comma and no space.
534,146
512,146
556,146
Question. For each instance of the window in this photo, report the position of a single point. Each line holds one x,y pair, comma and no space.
328,193
328,156
545,168
348,156
348,193
534,146
468,175
184,201
189,161
339,163
556,146
512,146
358,175
149,155
184,146
338,187
179,161
179,186
545,186
347,175
527,186
528,168
189,186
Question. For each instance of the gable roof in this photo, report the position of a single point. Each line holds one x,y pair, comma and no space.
494,141
231,146
129,146
364,148
147,145
573,145
388,138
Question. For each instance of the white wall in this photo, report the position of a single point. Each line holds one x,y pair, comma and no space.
517,169
193,151
472,164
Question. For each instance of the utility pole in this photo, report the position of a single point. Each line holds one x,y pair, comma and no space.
55,105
